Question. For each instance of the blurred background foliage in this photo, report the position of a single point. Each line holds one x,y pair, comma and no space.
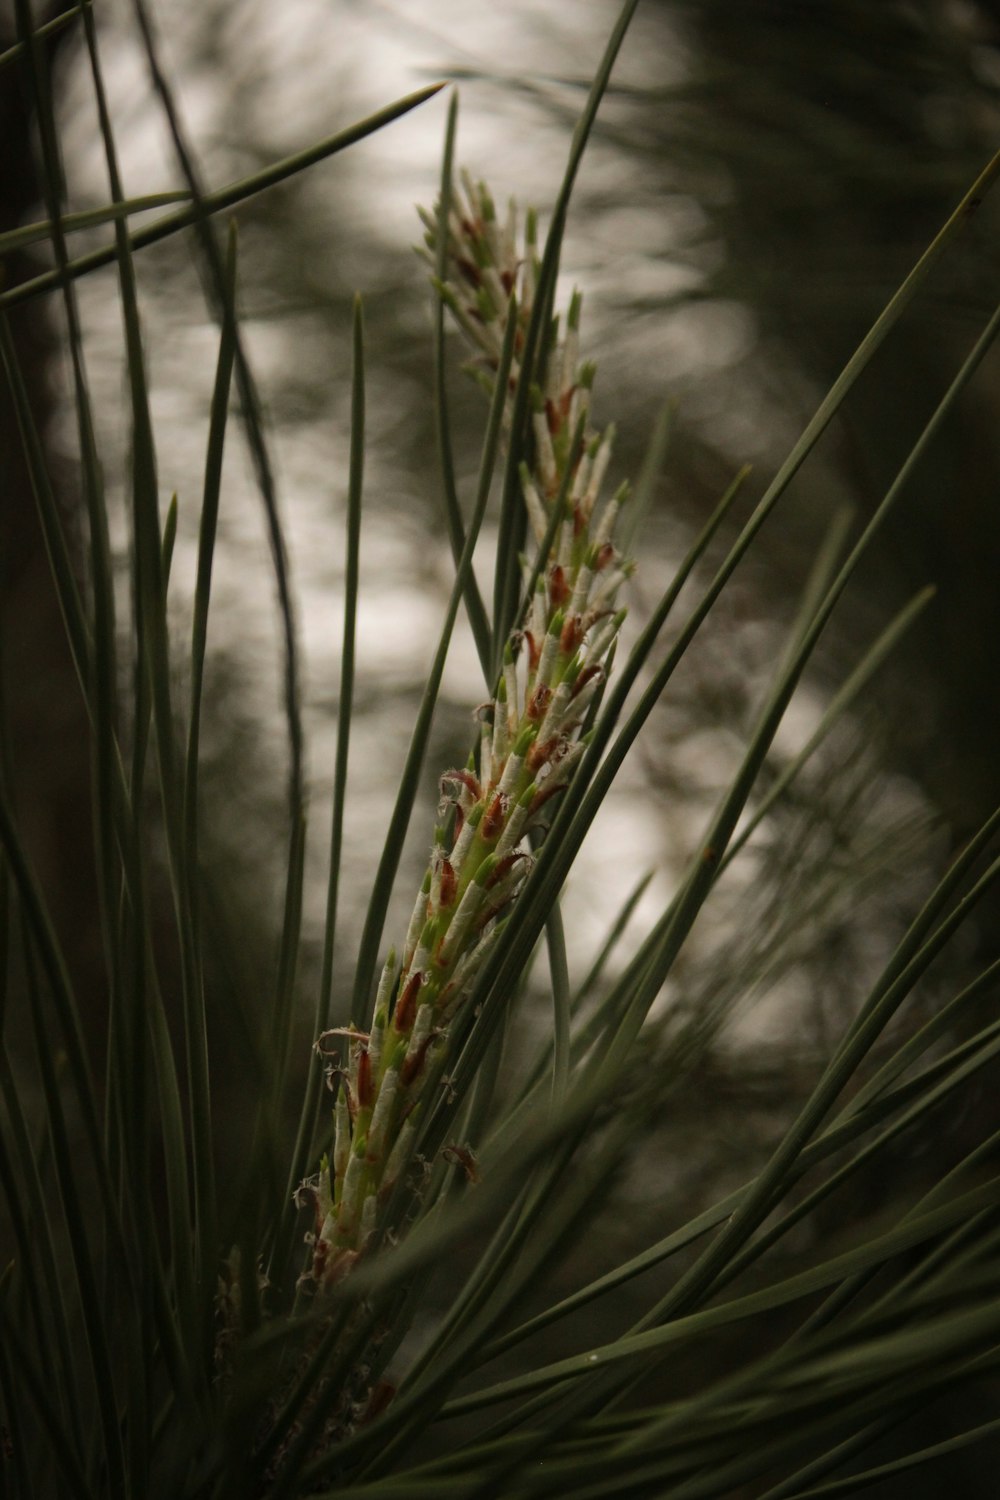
762,178
844,132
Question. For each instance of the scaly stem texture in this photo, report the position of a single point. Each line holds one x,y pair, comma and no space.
531,735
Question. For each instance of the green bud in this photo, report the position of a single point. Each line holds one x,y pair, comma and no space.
525,740
446,293
482,379
396,1052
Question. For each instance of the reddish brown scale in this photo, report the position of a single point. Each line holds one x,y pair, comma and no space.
605,554
402,1016
363,1082
538,703
470,271
448,883
379,1399
558,587
552,416
466,779
339,1266
534,652
572,635
489,912
351,1032
578,521
587,675
546,793
507,281
413,1065
462,1156
494,817
541,752
503,867
459,820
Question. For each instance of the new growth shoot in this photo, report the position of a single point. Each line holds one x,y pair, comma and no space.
532,732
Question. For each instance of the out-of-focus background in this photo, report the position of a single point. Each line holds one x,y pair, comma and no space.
760,181
761,178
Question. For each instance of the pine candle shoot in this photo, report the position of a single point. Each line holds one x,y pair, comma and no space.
531,732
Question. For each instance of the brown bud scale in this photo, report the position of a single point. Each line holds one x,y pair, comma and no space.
494,817
448,883
402,1017
539,702
363,1082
